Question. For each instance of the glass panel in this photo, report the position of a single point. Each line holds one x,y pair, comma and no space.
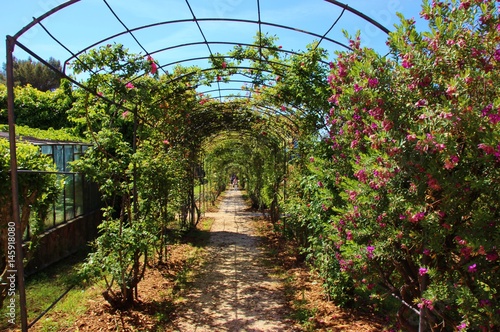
68,156
77,152
79,194
69,187
46,149
60,205
50,220
59,157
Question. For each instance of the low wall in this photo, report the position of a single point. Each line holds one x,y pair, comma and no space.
64,240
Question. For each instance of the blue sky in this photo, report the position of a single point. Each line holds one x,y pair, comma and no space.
89,21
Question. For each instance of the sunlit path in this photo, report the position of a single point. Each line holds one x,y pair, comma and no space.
236,291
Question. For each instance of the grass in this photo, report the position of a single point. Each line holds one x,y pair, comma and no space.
44,288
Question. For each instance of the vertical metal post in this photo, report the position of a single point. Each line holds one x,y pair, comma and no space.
285,171
424,281
134,149
10,42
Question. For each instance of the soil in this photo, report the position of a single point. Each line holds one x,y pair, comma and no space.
237,289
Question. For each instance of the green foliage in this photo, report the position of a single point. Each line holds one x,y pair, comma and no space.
38,109
62,135
37,191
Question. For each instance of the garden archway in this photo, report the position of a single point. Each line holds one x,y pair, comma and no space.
224,60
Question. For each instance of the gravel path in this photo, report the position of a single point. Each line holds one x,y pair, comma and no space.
236,292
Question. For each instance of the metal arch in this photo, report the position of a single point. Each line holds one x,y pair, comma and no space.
221,43
360,14
42,17
268,110
216,19
204,37
248,133
262,109
228,67
197,20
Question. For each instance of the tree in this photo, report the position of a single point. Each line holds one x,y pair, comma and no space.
34,73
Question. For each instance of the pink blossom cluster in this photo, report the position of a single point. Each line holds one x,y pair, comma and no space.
492,115
425,303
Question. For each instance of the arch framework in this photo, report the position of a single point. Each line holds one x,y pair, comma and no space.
189,32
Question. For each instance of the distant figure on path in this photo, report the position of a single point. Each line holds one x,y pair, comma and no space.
234,181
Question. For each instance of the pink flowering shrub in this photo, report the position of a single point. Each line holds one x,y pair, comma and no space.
416,136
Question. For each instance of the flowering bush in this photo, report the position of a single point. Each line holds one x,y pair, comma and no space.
415,137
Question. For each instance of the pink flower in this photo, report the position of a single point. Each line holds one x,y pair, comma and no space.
466,252
472,268
464,5
492,256
154,68
426,304
361,175
449,164
370,250
311,159
283,108
433,184
440,146
357,88
417,217
451,90
422,271
320,184
129,85
387,124
484,303
411,137
497,55
166,142
224,65
372,82
342,70
486,148
421,103
349,235
125,114
406,64
462,326
485,111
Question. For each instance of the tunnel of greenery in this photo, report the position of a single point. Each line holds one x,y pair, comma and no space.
383,169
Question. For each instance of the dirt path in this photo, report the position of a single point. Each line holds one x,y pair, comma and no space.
236,291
